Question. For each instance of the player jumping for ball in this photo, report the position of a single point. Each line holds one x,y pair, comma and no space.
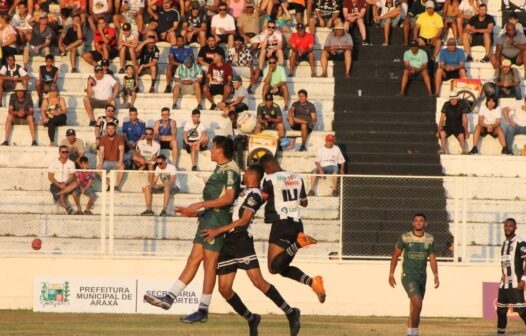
513,266
218,196
239,253
417,246
286,193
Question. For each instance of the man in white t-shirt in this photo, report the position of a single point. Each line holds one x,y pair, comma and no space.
168,185
101,91
514,121
146,151
329,160
195,137
223,26
61,173
490,116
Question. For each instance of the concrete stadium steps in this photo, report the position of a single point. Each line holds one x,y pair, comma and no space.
484,165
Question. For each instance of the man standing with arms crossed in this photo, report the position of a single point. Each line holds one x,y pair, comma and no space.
417,246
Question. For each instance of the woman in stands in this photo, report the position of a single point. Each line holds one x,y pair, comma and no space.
53,111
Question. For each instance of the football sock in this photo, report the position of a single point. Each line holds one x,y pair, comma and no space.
278,300
415,332
240,308
502,319
281,262
295,273
205,301
409,331
292,249
176,289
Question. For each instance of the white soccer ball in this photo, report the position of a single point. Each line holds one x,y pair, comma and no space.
246,122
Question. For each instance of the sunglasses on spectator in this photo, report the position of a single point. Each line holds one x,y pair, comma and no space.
148,133
152,37
222,9
165,114
64,152
271,62
110,110
159,162
271,27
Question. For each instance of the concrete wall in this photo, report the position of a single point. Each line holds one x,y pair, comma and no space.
353,287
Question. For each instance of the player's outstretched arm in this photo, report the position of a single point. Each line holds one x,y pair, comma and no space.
394,261
434,268
246,218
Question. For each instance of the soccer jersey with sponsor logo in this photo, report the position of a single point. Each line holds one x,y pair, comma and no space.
416,251
249,199
512,254
285,192
225,176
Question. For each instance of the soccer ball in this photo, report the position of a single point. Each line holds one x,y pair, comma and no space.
246,122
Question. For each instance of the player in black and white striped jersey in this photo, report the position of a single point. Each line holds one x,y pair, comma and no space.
513,280
238,253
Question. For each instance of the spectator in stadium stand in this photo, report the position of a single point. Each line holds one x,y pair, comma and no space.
195,137
467,9
490,116
236,7
105,43
194,25
77,7
415,65
451,65
275,81
338,45
478,32
111,153
130,86
47,75
298,6
61,174
329,160
514,122
128,42
271,45
146,151
387,13
239,100
100,9
188,77
205,57
133,129
507,81
83,185
302,49
176,57
21,21
218,79
514,19
10,75
240,58
101,91
168,186
20,112
280,15
53,112
71,41
165,132
248,22
103,121
417,7
7,37
511,46
165,21
41,36
75,146
270,117
453,121
105,64
302,117
131,12
428,29
354,13
149,59
223,26
326,15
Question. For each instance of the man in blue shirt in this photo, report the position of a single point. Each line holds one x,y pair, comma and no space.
451,65
415,65
133,130
176,56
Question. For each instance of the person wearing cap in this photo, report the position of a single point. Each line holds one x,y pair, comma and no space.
128,42
329,160
387,13
354,13
218,79
507,81
41,36
195,137
510,46
240,58
453,121
75,146
188,77
238,102
194,25
47,75
20,112
10,75
428,29
105,43
72,41
302,45
450,66
514,122
302,117
101,91
53,112
275,81
415,64
338,45
270,117
176,57
248,22
478,32
489,122
326,15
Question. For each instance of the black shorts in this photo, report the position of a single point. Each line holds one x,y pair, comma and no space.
237,253
241,107
451,74
189,148
477,39
296,7
216,89
223,38
484,132
166,144
284,232
454,130
194,39
97,56
511,296
302,58
337,57
297,127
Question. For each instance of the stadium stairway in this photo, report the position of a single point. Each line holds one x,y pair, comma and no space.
384,134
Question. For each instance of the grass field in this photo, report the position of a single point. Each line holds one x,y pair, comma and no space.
24,322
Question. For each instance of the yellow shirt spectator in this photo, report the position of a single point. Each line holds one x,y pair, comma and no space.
430,25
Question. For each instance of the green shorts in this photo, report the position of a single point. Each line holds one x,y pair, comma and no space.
414,285
212,219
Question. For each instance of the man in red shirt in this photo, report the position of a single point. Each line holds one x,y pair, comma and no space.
218,78
301,44
354,13
105,44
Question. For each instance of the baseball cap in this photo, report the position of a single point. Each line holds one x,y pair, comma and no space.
195,5
430,4
188,60
237,78
413,43
269,96
126,26
105,62
329,137
98,68
70,131
506,63
300,26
